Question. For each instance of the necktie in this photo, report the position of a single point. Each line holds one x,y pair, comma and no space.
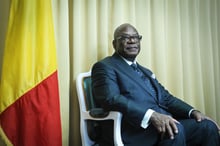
145,79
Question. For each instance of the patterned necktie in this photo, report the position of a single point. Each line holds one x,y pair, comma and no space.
145,79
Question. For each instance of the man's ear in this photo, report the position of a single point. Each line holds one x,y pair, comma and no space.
114,43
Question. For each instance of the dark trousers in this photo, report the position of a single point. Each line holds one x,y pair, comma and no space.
203,133
190,133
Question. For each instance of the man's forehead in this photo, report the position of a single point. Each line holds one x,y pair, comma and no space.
126,30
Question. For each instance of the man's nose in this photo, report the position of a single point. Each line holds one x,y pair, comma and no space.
131,40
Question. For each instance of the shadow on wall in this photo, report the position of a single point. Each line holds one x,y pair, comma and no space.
4,14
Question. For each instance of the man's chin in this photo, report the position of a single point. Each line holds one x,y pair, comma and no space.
132,53
130,57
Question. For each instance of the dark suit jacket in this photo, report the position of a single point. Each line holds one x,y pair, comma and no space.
117,87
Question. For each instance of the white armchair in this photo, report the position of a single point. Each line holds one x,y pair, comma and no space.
86,104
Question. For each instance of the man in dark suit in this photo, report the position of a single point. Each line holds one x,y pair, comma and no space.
151,115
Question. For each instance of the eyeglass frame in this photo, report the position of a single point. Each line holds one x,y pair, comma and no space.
127,38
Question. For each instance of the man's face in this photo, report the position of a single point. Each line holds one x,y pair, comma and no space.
127,42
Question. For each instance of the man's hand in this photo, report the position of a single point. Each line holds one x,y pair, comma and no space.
164,123
198,116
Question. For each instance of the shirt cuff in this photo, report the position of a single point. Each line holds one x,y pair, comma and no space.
145,122
190,112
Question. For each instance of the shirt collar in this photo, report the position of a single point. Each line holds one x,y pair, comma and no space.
128,61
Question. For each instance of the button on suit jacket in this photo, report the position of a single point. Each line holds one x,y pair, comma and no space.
117,87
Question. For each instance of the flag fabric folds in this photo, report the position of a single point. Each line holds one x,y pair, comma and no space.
29,97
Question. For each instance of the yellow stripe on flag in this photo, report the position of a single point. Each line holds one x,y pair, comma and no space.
29,49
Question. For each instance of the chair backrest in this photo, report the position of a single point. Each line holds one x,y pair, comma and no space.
88,123
84,91
86,101
88,93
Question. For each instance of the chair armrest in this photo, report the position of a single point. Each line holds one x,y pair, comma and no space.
117,128
112,115
98,113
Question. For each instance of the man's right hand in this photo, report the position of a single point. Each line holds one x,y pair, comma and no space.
164,124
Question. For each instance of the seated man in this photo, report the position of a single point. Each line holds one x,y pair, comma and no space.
151,115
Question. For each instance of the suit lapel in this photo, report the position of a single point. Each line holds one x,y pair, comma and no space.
121,65
152,79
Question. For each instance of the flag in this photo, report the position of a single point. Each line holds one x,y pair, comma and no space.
29,96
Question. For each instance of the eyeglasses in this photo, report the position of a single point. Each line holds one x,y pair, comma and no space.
127,38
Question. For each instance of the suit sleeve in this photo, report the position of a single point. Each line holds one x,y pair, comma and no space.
177,107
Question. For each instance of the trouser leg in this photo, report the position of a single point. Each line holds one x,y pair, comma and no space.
179,138
203,133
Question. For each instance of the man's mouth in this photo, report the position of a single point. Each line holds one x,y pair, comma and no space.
132,48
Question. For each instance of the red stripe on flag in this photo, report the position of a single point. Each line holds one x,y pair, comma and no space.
34,119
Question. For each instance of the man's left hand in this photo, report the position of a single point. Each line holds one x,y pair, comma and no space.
198,116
